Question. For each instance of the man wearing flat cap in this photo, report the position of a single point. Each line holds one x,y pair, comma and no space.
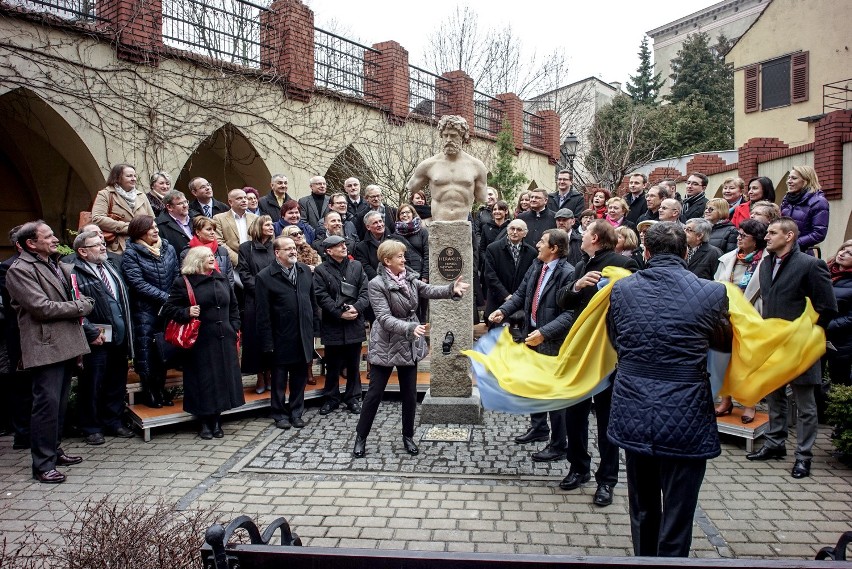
565,221
340,287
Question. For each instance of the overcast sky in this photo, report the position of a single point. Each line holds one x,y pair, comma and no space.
600,37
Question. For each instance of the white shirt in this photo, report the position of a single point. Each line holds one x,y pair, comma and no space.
242,228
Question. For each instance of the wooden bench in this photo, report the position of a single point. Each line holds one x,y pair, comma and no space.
258,554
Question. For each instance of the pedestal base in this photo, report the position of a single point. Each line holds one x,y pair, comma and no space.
451,410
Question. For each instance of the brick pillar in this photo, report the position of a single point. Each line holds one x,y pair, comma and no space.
828,151
551,134
460,96
751,151
138,28
287,45
387,77
657,175
513,111
704,163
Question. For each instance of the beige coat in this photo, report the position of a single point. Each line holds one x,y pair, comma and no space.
727,262
227,233
50,323
100,216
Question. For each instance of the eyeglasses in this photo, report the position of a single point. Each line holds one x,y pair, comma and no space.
741,235
516,229
101,244
295,233
689,230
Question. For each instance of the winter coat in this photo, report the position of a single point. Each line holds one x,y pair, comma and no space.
575,201
171,231
725,269
148,281
254,257
417,255
637,208
366,252
216,207
327,283
839,331
501,275
810,212
392,340
211,371
723,236
800,275
577,301
287,315
552,321
693,207
705,261
48,313
268,205
107,309
488,234
120,207
310,232
662,404
537,223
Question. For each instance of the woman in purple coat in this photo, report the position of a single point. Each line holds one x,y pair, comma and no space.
806,204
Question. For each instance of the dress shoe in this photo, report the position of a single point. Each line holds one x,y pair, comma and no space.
94,439
49,477
298,422
748,415
409,445
217,431
122,432
205,432
548,454
532,436
312,381
360,448
63,459
283,424
167,397
328,407
723,409
603,495
20,444
801,469
354,407
574,480
765,453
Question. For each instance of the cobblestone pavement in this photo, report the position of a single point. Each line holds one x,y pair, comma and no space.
485,495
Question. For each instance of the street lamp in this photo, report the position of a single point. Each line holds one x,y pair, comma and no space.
568,149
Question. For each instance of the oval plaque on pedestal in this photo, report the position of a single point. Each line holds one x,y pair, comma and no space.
450,263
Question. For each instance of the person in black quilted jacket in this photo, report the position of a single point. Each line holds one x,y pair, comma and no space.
662,404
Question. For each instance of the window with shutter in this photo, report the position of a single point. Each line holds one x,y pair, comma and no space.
752,103
775,83
799,77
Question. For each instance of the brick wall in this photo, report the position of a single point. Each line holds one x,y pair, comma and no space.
704,163
138,28
288,30
828,151
752,151
389,69
459,88
664,173
513,111
551,133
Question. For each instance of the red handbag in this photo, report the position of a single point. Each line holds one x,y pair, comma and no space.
183,335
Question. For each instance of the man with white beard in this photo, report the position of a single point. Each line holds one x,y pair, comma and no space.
287,313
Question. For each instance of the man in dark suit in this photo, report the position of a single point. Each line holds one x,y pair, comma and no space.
506,264
204,203
702,258
373,197
355,203
545,323
599,242
538,218
696,200
565,195
635,197
787,277
366,249
103,382
175,223
312,206
271,203
287,312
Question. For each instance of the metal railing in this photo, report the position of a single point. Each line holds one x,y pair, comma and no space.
533,130
428,95
487,114
74,10
837,96
226,30
341,65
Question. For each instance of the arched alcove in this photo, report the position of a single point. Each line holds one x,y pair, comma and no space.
228,160
348,164
46,170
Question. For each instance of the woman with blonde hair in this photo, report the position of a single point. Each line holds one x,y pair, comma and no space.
806,204
723,236
628,245
204,235
212,382
616,211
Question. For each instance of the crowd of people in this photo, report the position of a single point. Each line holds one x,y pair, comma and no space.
266,275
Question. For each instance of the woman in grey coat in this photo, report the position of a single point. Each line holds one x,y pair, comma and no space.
397,338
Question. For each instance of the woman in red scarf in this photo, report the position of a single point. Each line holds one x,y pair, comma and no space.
204,234
599,199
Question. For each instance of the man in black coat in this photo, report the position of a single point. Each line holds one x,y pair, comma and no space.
355,203
373,197
702,258
204,203
175,223
506,264
538,218
787,278
695,201
635,197
288,318
565,195
103,382
566,221
545,323
340,286
271,203
366,249
599,241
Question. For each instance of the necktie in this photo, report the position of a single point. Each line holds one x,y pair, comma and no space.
207,211
515,253
538,292
293,275
106,280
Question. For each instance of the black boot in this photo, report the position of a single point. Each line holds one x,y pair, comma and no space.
167,397
150,396
216,427
206,432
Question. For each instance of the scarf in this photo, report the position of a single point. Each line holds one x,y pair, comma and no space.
750,260
400,280
154,249
600,212
212,245
406,228
130,197
613,222
838,272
